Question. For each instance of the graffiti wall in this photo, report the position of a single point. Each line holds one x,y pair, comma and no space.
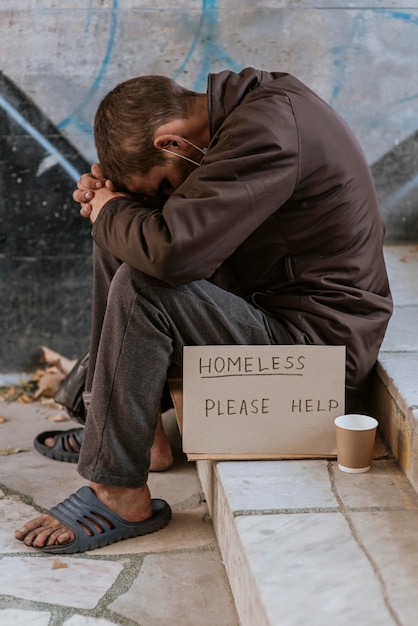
58,58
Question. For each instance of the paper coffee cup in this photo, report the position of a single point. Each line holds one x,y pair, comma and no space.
355,435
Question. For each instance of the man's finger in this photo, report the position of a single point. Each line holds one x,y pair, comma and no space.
86,210
96,170
88,181
110,185
81,196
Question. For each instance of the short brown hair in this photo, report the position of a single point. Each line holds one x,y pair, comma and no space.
126,121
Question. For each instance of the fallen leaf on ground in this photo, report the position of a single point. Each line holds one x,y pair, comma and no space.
58,417
49,383
2,419
61,362
14,392
57,564
25,399
8,451
6,392
50,402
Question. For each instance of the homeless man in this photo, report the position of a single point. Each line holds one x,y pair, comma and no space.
244,215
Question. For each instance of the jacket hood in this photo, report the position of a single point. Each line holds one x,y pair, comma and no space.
226,90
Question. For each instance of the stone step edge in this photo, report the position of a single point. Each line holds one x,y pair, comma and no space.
398,421
244,589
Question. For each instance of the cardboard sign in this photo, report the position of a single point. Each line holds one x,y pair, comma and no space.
262,401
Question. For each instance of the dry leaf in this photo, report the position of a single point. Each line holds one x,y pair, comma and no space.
61,362
37,375
49,383
25,399
2,419
14,393
50,402
8,451
57,564
58,417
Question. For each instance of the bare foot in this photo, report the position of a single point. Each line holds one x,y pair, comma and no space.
161,453
44,531
73,445
131,504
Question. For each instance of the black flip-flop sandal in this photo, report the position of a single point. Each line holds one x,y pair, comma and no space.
62,450
83,510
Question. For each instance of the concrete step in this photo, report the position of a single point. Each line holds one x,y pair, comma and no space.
304,543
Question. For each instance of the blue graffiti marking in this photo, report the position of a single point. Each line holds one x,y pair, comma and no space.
211,49
74,117
206,31
339,60
398,15
339,51
410,19
31,130
408,99
87,27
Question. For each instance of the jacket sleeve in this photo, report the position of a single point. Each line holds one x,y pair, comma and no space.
249,171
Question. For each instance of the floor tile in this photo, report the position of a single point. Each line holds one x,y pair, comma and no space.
384,486
20,617
47,482
36,579
391,538
276,485
82,620
153,600
13,513
308,569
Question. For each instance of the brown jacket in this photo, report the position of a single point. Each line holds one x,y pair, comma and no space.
282,212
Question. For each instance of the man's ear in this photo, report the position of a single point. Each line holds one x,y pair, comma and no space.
168,140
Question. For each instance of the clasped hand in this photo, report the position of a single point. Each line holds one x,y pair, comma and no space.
93,191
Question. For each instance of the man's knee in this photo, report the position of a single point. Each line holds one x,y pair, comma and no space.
127,279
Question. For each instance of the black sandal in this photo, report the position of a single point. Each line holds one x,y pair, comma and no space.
95,525
63,448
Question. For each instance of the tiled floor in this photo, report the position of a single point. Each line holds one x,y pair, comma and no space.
168,578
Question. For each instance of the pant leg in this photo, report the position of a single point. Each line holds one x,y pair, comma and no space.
144,329
104,268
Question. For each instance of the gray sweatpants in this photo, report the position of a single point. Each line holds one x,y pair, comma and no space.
139,328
